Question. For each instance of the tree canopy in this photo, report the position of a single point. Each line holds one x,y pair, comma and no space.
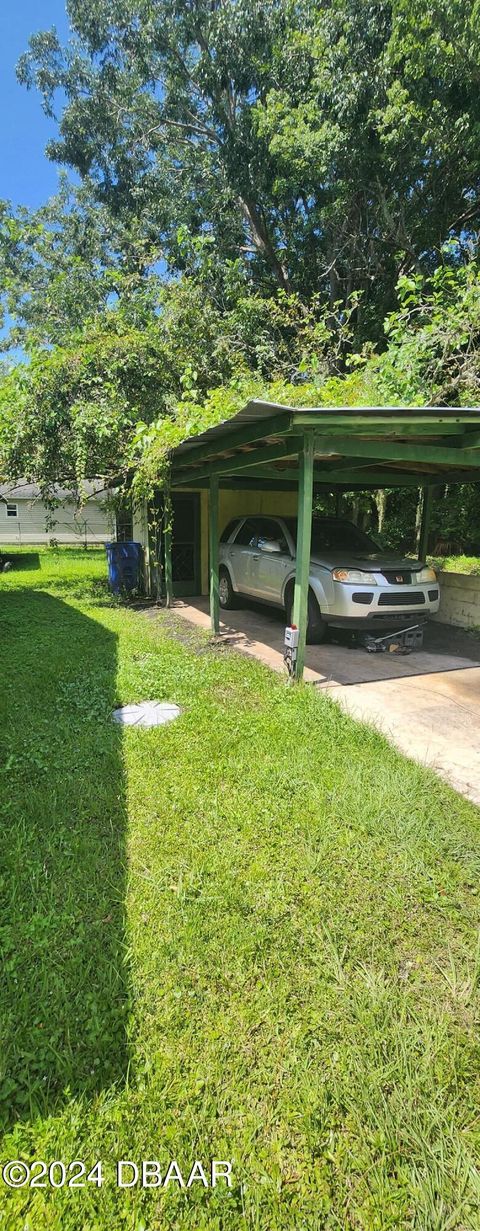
332,148
266,194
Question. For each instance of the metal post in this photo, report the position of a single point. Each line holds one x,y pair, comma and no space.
425,522
167,547
213,546
304,538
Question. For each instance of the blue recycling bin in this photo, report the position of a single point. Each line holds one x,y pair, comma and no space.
125,566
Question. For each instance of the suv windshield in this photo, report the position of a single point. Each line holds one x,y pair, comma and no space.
328,534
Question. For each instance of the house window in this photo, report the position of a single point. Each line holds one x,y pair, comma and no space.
12,510
124,526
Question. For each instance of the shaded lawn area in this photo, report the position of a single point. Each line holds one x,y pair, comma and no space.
251,935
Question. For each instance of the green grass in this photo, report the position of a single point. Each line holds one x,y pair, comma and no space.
251,935
457,564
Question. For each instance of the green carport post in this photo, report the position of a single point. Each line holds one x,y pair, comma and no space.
425,522
167,547
213,548
304,539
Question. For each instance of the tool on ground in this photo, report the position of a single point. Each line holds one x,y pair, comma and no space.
401,642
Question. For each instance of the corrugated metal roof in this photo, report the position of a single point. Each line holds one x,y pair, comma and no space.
256,410
251,413
29,491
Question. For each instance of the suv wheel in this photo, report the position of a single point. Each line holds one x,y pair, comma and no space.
316,627
226,593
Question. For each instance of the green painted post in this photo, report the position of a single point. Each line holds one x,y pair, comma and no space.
213,545
304,539
425,522
167,547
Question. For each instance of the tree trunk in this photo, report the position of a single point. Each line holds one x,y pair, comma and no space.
261,239
381,501
418,519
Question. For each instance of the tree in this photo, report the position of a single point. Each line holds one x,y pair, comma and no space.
433,352
380,142
322,144
90,405
67,262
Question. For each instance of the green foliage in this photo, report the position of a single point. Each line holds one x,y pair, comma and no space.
118,400
119,394
261,187
69,412
328,148
433,353
458,564
54,269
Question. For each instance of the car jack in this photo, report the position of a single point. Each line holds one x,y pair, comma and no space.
401,642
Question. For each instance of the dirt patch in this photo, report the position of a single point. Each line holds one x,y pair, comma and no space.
198,640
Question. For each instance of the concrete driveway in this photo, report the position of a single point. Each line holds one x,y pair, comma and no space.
427,703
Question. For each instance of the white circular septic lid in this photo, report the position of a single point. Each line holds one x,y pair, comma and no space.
146,714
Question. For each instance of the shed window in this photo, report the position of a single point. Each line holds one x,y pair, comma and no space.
12,510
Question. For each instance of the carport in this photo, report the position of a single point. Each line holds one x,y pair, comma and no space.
269,447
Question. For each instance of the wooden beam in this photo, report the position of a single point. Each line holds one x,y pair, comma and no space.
470,440
213,547
280,425
392,428
441,455
330,479
370,478
397,478
382,477
277,425
286,447
291,473
304,539
337,464
334,477
392,419
268,472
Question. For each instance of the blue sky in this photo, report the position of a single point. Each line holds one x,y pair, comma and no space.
26,175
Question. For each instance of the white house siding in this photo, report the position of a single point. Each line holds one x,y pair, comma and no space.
140,535
72,525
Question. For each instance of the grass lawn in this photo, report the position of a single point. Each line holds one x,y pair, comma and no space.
457,564
252,935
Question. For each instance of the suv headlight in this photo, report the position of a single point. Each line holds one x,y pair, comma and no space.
426,574
354,576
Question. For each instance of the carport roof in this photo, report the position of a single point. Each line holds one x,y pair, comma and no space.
353,446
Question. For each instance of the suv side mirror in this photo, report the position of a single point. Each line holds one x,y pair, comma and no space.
269,545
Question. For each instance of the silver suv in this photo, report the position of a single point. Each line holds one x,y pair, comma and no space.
353,582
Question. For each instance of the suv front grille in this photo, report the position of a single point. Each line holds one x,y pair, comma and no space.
401,598
397,578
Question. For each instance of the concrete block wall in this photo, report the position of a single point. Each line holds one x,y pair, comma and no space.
459,600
